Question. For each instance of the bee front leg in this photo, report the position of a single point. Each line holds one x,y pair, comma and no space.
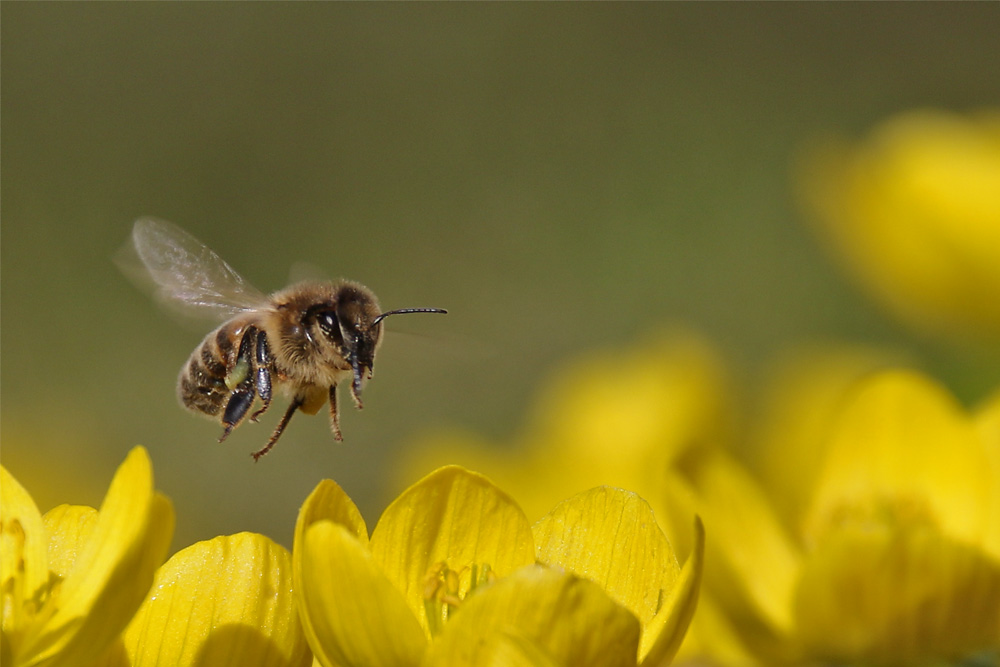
241,380
263,379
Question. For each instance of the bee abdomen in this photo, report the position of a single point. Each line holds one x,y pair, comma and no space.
202,383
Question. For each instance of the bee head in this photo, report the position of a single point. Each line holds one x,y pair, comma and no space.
347,324
352,323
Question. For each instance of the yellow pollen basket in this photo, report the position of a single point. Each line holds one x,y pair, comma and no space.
238,374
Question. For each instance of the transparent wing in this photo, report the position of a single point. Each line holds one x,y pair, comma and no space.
188,275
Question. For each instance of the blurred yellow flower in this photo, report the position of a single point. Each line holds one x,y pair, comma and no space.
455,574
71,580
893,560
803,391
914,213
599,423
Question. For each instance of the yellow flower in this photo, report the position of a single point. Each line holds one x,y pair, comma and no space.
620,424
225,601
894,558
914,213
454,574
71,580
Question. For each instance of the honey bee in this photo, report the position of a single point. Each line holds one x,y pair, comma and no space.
303,340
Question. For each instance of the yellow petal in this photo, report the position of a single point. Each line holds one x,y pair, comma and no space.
69,528
751,563
113,571
988,425
711,639
884,594
903,444
455,517
668,628
570,620
24,572
504,467
507,650
226,601
610,536
327,502
805,394
357,615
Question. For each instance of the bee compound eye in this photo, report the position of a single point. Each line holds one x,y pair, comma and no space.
328,324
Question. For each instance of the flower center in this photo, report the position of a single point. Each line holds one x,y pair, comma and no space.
885,510
19,604
445,588
876,512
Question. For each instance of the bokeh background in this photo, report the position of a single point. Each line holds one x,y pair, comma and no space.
559,176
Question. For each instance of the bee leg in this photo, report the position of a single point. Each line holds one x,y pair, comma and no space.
243,393
335,415
295,405
264,361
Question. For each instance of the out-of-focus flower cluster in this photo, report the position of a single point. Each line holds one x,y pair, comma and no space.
854,518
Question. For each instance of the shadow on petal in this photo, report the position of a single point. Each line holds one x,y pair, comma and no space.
241,645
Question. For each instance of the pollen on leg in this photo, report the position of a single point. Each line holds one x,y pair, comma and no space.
238,373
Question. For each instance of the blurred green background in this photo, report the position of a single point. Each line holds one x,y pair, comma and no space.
557,175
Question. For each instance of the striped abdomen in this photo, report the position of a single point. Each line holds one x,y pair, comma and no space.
202,386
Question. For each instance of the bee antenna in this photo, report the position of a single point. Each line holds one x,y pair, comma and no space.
403,311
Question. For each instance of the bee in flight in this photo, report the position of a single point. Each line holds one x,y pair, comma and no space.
303,339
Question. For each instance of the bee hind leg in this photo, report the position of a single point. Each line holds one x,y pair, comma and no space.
243,392
295,405
236,409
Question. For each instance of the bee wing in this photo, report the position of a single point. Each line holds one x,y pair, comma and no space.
188,274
